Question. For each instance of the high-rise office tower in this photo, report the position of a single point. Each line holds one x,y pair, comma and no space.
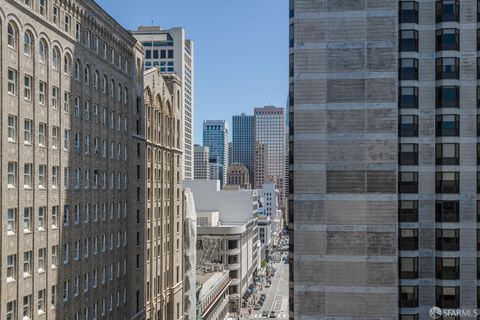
243,142
163,238
73,137
201,166
172,52
384,112
270,131
215,137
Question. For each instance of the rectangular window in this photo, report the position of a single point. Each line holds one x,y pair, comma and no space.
448,39
448,297
408,211
447,97
408,126
408,239
42,253
447,125
447,153
27,88
55,131
408,297
27,305
12,128
11,221
42,7
408,182
42,129
53,296
27,263
42,213
11,267
27,219
55,15
447,182
42,171
408,40
66,139
408,97
408,69
66,102
408,154
11,312
54,257
66,23
66,178
447,68
54,221
55,97
42,91
41,301
408,267
12,174
27,131
55,174
27,175
12,81
447,211
447,239
447,11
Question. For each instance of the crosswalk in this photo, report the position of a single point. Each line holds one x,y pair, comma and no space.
280,316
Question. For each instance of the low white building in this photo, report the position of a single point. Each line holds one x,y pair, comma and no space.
270,214
227,233
212,295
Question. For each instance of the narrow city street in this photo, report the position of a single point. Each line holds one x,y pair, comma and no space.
276,295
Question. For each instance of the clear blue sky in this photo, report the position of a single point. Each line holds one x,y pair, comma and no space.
241,49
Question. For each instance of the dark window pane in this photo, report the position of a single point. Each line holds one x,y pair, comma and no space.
409,239
408,182
408,97
408,268
447,182
408,12
448,10
408,40
408,69
447,68
447,125
408,211
448,39
408,297
447,239
447,154
447,211
408,126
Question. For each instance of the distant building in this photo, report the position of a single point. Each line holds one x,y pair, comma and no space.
216,169
243,141
215,137
270,131
172,52
261,165
230,150
201,156
227,234
268,206
238,175
212,294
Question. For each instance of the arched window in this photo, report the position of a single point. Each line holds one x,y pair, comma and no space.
125,95
104,85
86,75
96,77
27,44
119,93
77,70
67,64
112,89
55,59
12,36
42,51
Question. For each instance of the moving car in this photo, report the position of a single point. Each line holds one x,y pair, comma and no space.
273,314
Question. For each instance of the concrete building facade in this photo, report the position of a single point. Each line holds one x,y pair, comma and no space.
344,159
260,174
215,137
72,118
163,237
243,141
172,52
201,157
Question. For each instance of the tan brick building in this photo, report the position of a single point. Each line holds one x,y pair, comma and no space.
164,219
72,198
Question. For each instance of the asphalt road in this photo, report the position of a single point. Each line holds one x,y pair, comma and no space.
277,294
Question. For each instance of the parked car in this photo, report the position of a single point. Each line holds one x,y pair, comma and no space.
267,285
273,314
258,306
265,314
